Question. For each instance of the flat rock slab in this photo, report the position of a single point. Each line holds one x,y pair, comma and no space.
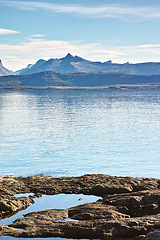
129,208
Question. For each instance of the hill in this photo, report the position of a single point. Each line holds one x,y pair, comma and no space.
50,78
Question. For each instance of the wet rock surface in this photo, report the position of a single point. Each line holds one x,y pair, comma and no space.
155,235
129,207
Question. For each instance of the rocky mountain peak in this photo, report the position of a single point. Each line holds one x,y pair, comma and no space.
69,55
4,71
40,61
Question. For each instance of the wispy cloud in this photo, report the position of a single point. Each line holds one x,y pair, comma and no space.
38,36
7,31
149,46
105,11
19,55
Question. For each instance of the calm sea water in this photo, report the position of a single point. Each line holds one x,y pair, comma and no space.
75,132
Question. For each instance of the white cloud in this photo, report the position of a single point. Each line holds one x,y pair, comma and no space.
149,46
7,31
105,11
50,48
38,36
19,55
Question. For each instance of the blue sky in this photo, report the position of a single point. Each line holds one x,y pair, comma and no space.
117,30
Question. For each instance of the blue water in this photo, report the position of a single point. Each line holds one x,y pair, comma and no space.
74,132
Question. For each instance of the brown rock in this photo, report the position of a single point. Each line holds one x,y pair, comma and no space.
44,224
10,204
97,210
130,207
136,204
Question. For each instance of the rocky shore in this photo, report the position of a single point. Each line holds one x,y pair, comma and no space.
129,207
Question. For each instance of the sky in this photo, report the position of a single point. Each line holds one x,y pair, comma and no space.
117,30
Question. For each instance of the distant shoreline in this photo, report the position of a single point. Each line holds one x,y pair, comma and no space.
119,86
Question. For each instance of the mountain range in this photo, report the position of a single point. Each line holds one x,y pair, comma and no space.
74,71
50,78
71,64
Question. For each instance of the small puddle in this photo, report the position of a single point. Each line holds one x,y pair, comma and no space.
65,220
57,238
59,201
23,195
53,238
